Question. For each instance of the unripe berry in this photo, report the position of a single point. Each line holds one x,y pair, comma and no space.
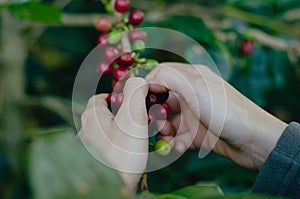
137,34
102,40
162,147
150,64
114,37
125,60
104,68
111,54
136,17
122,5
138,45
120,74
103,24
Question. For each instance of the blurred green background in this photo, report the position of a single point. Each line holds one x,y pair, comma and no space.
43,44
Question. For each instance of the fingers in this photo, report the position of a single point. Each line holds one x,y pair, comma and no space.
132,115
97,108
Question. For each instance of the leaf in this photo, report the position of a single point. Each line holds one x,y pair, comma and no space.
191,26
60,167
36,12
194,192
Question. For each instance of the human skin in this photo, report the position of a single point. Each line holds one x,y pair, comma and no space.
198,98
248,133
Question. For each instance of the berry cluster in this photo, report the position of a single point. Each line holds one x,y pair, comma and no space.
121,62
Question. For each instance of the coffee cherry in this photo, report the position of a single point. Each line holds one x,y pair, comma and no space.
120,74
111,54
102,40
137,34
150,64
125,60
119,46
139,45
103,24
114,37
117,86
162,147
136,17
156,98
122,5
246,47
151,117
162,112
104,68
114,101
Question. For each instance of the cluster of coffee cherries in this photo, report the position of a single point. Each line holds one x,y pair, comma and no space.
247,44
121,62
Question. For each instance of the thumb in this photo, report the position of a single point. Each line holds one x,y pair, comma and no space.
132,115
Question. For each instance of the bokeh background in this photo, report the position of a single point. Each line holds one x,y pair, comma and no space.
43,44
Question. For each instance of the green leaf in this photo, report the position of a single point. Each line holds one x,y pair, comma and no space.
194,192
36,12
191,26
60,167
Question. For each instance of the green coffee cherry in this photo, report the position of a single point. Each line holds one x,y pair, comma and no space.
114,37
162,147
108,7
139,45
150,64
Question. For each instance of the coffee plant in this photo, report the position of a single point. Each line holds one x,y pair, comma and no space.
255,45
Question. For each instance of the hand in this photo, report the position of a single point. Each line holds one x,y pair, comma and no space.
247,133
123,139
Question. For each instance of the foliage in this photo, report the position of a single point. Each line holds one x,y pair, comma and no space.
42,46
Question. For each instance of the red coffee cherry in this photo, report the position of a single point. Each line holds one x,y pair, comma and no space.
136,17
156,98
103,24
122,5
125,60
137,34
104,68
162,112
114,101
102,40
117,86
247,47
111,54
120,74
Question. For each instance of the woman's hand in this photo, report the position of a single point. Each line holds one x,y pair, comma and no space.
122,139
241,130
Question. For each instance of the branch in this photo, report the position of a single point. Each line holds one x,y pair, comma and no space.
157,16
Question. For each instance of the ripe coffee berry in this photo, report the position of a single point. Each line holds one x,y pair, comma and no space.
136,17
162,112
125,60
103,24
246,47
156,98
104,68
162,147
111,54
102,40
120,74
137,34
114,101
117,86
151,117
122,5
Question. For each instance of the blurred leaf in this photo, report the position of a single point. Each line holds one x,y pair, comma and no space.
36,12
60,167
191,26
194,192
